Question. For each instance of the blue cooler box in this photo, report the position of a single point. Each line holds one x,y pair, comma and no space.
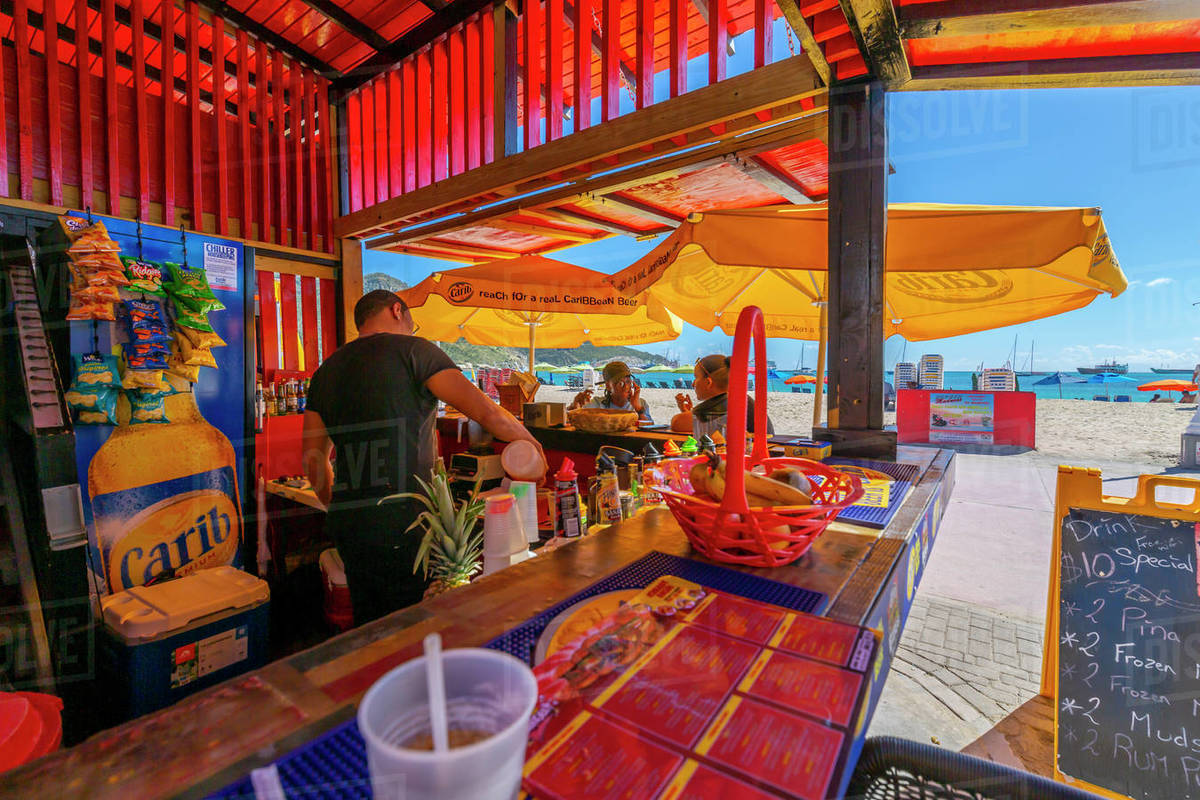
162,643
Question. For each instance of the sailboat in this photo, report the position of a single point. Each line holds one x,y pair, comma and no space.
1031,370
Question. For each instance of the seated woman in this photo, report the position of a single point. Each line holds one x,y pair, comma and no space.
620,392
712,390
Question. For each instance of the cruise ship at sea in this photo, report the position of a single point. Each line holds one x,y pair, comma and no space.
1107,366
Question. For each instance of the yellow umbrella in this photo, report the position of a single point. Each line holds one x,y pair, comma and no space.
951,269
553,303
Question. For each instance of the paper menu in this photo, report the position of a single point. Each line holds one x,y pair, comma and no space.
688,692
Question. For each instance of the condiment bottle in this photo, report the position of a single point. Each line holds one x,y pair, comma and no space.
706,445
650,476
671,450
566,500
689,447
718,442
608,492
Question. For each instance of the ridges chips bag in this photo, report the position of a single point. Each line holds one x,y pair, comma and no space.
191,287
144,276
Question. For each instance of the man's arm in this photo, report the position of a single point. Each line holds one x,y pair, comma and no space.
451,387
317,448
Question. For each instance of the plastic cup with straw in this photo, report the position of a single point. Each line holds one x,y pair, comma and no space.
478,699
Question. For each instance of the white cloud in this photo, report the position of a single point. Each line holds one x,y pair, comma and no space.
1160,282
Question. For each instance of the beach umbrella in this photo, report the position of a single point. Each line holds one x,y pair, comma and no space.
580,367
796,379
546,302
660,368
1107,379
1058,379
951,269
683,369
543,367
1168,385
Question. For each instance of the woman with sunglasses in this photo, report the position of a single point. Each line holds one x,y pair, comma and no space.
712,391
621,392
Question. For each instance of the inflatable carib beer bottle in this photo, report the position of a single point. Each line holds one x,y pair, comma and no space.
165,496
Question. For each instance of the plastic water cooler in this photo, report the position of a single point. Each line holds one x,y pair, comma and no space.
162,643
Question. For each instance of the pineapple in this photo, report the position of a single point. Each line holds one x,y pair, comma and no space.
452,545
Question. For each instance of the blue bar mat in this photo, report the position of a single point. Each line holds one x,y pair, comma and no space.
335,765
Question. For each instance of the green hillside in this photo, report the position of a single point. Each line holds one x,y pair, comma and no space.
464,353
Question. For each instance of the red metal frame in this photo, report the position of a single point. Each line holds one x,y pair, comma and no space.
474,73
288,322
54,95
394,140
193,83
24,96
441,111
583,64
218,76
297,149
168,96
247,162
280,151
555,22
458,102
264,143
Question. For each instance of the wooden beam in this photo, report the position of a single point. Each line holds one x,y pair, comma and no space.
352,284
433,27
609,225
779,183
349,23
550,232
638,208
702,8
857,232
464,250
275,40
877,32
808,42
748,93
975,18
582,191
1170,69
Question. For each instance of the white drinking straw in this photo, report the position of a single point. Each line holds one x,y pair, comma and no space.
436,683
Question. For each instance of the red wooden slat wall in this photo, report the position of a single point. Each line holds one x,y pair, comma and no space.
316,334
431,116
202,152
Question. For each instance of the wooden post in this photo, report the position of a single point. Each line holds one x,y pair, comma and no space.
822,343
504,75
857,232
352,285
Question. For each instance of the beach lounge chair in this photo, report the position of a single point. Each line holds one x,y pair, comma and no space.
687,384
1103,398
678,383
1122,398
796,390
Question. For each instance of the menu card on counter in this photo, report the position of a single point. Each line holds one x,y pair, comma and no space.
686,692
1127,703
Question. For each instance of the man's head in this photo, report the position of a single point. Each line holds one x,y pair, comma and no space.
618,381
381,311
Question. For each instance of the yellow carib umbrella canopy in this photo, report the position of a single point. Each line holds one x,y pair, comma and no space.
950,269
534,300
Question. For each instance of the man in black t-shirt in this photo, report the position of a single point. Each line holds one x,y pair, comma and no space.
374,401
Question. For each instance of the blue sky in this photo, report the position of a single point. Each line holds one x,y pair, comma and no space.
1133,152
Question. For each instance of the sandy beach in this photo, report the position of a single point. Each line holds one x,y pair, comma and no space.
1078,432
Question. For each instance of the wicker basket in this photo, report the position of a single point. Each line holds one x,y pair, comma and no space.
731,531
602,420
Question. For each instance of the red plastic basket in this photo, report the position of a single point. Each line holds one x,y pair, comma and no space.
731,531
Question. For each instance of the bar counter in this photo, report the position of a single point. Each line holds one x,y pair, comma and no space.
207,741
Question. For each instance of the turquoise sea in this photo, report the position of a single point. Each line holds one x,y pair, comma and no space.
962,381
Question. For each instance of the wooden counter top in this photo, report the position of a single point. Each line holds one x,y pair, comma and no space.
211,739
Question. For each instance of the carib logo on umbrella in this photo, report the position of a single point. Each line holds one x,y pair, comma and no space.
460,292
959,286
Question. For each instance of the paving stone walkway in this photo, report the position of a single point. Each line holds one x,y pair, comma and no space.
959,670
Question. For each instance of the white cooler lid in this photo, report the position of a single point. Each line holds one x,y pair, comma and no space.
144,612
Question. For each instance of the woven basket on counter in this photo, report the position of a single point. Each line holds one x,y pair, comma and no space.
731,531
602,420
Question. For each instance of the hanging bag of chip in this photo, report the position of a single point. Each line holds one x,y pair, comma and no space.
190,287
146,322
92,396
145,277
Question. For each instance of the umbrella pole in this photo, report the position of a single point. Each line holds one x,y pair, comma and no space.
531,335
820,385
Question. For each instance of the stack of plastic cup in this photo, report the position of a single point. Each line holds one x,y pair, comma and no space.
526,494
503,535
486,691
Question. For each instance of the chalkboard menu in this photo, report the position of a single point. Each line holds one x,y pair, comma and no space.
1128,699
